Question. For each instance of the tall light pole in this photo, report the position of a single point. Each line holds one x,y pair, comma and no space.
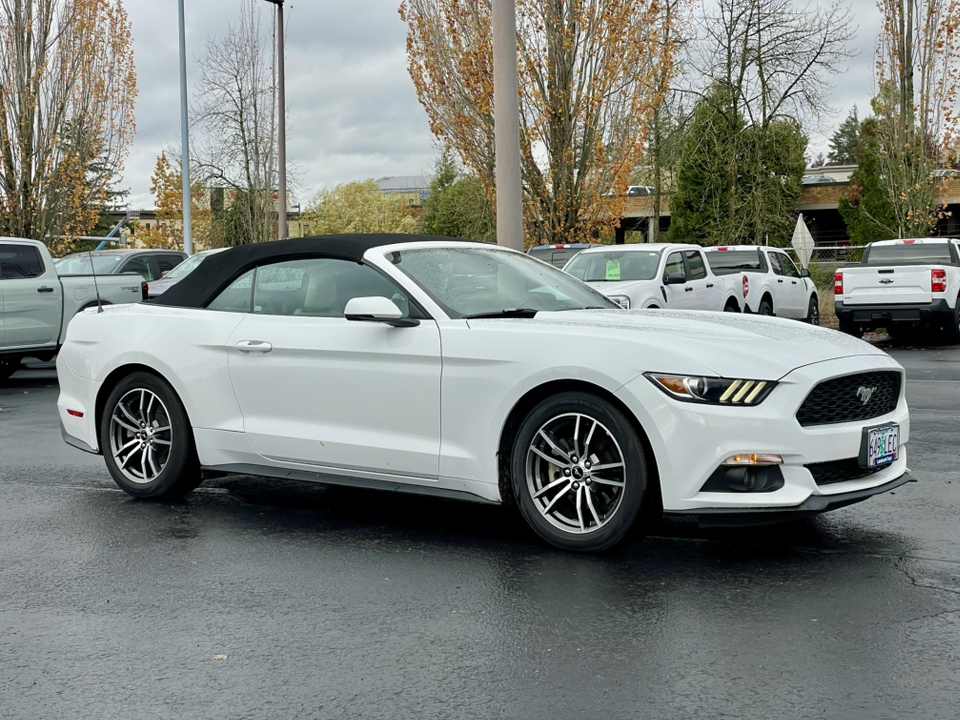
281,129
506,118
185,142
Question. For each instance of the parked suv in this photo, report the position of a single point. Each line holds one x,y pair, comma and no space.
150,264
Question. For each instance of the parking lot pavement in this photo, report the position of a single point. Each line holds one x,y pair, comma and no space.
262,599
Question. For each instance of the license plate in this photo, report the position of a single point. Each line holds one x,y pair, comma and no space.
881,446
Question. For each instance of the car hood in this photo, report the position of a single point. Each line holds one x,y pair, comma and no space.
728,344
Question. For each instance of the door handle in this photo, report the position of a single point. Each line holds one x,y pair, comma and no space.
689,289
709,285
44,289
793,282
779,281
253,347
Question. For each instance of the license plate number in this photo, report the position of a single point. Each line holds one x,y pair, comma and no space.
883,446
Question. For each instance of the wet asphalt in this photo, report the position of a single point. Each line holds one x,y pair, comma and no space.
268,599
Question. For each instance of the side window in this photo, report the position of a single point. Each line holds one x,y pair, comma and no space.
788,267
698,270
237,297
166,263
20,261
139,265
674,265
320,287
764,267
775,264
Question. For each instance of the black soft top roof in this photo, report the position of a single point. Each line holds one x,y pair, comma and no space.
220,269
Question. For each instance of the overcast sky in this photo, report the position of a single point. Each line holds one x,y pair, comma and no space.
353,109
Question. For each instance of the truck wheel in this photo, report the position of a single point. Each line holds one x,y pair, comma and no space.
731,306
766,308
8,366
952,328
813,311
850,328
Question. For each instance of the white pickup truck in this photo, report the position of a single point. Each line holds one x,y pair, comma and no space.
902,284
657,275
36,304
772,284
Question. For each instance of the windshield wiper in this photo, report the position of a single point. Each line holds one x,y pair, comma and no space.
508,313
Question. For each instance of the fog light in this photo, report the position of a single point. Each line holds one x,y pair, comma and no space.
753,460
744,479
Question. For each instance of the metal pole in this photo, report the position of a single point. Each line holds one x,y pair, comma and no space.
185,142
281,131
506,114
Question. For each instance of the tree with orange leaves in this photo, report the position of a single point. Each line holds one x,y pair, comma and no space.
591,73
67,91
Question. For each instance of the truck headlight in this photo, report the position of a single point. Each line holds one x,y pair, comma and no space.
621,300
713,390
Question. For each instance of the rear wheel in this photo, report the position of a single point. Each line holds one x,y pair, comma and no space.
766,307
731,306
579,472
147,440
8,366
813,311
952,328
850,328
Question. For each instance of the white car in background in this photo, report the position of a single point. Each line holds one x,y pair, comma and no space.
471,371
772,283
657,275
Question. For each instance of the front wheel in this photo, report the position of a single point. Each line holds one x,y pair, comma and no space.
579,472
813,311
147,440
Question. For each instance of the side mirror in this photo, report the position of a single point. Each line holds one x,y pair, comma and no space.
804,273
377,309
675,279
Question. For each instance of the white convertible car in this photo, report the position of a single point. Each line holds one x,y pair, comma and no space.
467,370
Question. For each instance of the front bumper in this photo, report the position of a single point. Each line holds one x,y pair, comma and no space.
880,314
691,441
813,505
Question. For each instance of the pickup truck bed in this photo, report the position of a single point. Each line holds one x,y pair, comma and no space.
36,304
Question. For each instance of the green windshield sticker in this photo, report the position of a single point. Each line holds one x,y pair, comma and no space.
613,269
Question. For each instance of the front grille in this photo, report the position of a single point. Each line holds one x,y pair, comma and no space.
835,471
842,399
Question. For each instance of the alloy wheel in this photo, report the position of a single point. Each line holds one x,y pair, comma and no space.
141,435
575,473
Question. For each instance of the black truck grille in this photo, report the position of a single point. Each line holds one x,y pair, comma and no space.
852,397
836,471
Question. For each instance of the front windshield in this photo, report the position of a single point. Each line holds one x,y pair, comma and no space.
468,282
79,264
609,266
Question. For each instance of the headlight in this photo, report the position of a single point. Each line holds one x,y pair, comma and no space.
621,300
713,390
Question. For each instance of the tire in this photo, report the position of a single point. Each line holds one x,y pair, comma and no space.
731,306
850,328
952,327
168,466
813,311
8,366
609,506
766,307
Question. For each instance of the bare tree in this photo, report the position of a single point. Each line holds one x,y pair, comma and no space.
775,60
67,91
236,108
917,77
590,76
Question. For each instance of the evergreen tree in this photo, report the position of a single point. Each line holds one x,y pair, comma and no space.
458,205
866,208
843,144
